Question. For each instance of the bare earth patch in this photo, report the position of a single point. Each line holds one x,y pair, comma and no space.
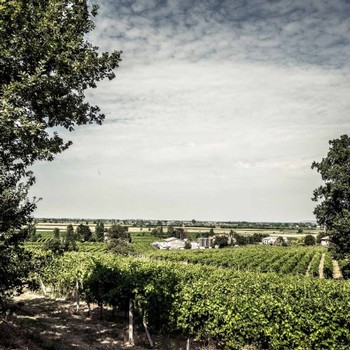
40,323
336,270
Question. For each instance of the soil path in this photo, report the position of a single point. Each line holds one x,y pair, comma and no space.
47,323
336,270
44,323
321,266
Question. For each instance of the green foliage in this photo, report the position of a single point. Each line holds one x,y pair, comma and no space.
55,246
118,232
180,233
328,266
99,231
158,232
221,241
32,234
141,242
309,240
119,239
84,233
282,260
334,196
120,246
56,233
171,231
46,66
15,213
320,236
248,239
14,264
70,239
187,245
340,235
230,308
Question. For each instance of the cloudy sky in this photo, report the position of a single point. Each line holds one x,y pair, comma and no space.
217,112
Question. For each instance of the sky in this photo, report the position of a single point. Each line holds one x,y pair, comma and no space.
217,112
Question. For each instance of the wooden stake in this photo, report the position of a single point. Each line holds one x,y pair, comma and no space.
147,333
77,294
42,285
131,324
188,344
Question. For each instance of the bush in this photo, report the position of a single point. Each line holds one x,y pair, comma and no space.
309,240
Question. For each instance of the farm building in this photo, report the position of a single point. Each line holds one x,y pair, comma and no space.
272,240
194,245
206,242
325,241
160,245
170,243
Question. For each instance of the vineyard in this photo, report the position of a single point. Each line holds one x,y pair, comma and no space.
292,260
282,260
230,307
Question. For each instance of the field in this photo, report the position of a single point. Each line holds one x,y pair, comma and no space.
291,260
312,261
231,307
265,297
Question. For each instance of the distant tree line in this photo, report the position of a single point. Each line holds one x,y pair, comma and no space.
116,237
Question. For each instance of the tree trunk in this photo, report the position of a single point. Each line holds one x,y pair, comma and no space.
131,323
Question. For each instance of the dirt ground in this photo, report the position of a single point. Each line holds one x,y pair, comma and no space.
38,323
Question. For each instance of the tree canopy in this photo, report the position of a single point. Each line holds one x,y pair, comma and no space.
333,211
46,65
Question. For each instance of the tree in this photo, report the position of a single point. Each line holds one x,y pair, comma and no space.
119,239
32,234
309,240
158,232
56,233
171,231
45,67
70,239
15,210
99,231
118,232
280,241
334,195
221,241
180,233
83,233
340,235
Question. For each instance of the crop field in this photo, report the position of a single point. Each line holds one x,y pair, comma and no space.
232,308
282,260
311,261
234,296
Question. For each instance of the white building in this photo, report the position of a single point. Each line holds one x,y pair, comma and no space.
170,243
206,242
272,240
325,241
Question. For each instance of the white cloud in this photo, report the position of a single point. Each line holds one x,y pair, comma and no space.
215,113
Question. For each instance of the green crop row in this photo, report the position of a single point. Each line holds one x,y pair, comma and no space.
230,307
291,260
